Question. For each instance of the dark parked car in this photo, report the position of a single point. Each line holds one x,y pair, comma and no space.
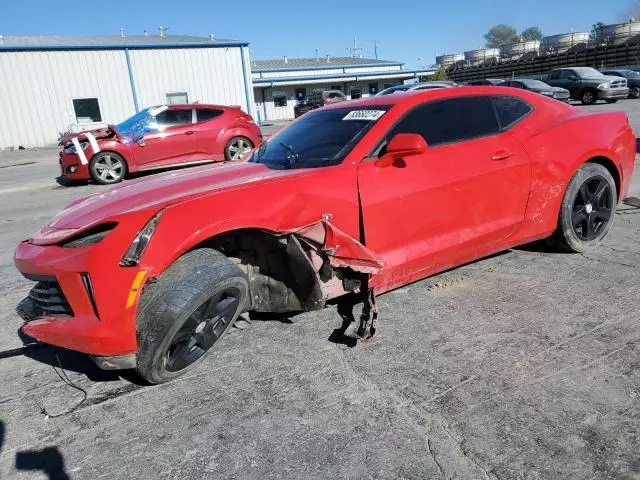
633,80
485,81
538,86
589,85
317,100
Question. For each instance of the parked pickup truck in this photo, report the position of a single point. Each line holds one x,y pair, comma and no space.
589,85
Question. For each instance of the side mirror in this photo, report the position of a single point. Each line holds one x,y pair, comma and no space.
402,145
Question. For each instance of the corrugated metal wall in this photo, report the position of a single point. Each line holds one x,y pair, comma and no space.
37,87
208,75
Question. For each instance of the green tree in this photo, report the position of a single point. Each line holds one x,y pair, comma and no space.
440,75
595,30
531,33
501,34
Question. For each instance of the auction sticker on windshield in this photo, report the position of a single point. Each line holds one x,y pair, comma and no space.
368,115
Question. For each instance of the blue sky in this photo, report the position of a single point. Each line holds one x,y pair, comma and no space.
405,30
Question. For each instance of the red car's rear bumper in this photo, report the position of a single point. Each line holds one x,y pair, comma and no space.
70,309
72,168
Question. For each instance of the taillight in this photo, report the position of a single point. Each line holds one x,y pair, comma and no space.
246,118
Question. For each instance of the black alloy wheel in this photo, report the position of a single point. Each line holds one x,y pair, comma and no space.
592,208
202,330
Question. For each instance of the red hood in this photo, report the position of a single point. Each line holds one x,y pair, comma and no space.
97,132
156,191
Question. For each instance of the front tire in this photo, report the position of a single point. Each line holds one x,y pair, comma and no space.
634,92
237,148
107,168
589,96
186,312
588,209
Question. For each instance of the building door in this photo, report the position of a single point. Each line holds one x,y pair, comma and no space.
300,94
356,92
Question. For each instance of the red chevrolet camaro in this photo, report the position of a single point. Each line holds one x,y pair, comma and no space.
362,196
159,137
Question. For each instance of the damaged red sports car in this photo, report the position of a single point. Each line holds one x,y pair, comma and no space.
362,197
159,137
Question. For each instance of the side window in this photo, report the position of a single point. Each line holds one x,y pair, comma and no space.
451,120
510,110
175,117
206,114
340,95
566,74
554,75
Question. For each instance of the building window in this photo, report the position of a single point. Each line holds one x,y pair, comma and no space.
373,88
87,110
356,92
280,99
177,98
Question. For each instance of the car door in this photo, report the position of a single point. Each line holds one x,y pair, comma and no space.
461,198
172,140
209,124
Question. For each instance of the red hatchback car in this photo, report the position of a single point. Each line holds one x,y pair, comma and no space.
159,137
362,197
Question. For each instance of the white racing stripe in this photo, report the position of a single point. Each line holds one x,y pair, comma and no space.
79,151
93,142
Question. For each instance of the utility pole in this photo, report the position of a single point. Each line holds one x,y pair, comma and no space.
375,49
355,50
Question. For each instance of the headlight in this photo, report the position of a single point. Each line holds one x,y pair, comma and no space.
604,85
90,237
132,256
72,149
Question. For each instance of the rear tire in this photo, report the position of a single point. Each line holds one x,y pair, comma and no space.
587,210
589,96
237,148
108,168
634,92
186,312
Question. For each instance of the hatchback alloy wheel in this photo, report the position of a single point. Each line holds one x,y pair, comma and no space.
238,148
109,168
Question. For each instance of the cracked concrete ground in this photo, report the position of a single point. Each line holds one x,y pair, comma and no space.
525,365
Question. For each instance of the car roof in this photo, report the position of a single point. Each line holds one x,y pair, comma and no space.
413,97
198,105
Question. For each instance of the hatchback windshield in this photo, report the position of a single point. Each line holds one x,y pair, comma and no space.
534,83
319,138
399,88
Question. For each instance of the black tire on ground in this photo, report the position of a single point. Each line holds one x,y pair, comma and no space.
237,148
588,96
611,100
108,168
634,92
587,210
186,311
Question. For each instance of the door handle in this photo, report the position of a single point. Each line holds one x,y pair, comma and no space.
190,132
502,155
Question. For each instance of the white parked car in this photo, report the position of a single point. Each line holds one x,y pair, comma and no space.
407,87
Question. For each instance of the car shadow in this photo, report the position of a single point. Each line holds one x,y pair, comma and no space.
638,145
66,183
73,361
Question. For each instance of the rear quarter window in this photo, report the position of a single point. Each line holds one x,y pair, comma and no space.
510,110
206,114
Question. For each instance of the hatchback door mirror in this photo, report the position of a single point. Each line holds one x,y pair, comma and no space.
400,146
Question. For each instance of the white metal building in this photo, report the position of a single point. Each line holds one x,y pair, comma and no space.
51,85
279,84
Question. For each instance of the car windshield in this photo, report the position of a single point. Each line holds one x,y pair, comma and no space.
587,72
630,74
126,126
533,83
319,138
399,88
